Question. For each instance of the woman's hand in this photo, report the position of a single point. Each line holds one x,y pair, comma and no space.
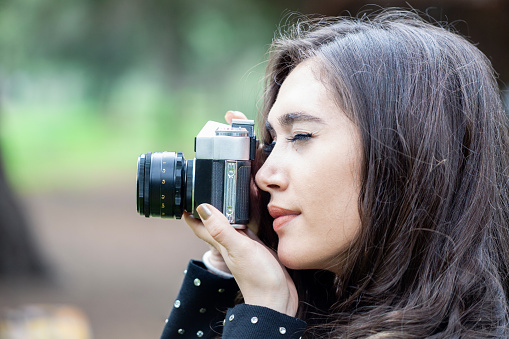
262,279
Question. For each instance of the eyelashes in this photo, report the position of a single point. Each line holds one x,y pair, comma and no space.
300,137
267,148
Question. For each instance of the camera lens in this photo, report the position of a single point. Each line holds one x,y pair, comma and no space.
164,185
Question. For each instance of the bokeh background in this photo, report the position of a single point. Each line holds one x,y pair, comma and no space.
86,86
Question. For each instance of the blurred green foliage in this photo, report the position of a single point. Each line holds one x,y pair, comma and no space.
88,85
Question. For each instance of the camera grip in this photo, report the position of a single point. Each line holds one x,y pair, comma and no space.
224,184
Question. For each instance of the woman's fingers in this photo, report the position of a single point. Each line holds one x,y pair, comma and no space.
218,227
215,258
215,229
198,229
230,115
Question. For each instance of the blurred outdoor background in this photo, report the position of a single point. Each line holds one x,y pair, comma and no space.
86,86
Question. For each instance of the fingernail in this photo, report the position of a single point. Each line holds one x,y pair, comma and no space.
204,212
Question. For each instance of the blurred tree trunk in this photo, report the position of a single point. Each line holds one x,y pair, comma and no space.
19,256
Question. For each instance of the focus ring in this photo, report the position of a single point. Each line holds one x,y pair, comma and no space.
179,164
146,184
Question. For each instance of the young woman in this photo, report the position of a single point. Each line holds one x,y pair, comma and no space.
383,190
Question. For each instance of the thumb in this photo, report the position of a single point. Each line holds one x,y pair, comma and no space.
218,226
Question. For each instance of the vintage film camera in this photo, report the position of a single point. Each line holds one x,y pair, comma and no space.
167,184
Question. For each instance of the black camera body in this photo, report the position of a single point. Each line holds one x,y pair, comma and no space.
220,174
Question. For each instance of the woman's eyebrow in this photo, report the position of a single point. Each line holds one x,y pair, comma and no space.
289,119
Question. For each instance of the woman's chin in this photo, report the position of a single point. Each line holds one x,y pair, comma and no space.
292,260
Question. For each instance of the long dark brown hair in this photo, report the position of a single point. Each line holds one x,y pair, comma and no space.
432,256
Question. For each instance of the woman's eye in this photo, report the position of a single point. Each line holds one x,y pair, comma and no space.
300,137
267,148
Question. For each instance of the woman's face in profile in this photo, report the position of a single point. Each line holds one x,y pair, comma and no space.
312,172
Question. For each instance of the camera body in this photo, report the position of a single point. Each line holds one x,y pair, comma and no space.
223,168
220,174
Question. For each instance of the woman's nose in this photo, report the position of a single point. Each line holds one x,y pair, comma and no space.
271,176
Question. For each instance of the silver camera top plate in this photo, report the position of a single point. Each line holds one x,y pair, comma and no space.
222,142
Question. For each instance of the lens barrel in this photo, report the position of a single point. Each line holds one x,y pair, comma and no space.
165,182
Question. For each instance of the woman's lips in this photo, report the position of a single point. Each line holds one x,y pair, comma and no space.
281,216
282,220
